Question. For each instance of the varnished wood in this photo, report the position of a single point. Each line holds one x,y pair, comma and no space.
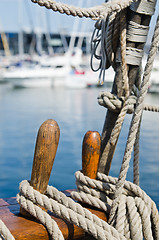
91,153
23,228
26,227
45,151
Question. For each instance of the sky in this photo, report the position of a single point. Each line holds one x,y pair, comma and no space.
15,14
23,14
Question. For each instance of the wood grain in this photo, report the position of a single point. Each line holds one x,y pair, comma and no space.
45,151
25,228
91,153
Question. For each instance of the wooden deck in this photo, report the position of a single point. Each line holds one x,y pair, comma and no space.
25,228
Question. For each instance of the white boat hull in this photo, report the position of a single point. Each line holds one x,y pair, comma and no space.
33,83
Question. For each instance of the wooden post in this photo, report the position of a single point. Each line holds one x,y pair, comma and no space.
107,149
91,150
91,153
45,151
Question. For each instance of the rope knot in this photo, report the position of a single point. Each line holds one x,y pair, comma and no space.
110,101
113,103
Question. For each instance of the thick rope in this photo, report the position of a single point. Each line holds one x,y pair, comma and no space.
134,198
135,124
113,103
41,215
65,208
136,158
4,232
140,208
112,34
107,39
97,12
125,83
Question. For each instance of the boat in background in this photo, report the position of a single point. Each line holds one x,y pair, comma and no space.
83,77
69,70
34,76
41,70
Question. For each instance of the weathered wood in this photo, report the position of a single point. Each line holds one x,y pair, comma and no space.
107,150
91,153
45,151
28,228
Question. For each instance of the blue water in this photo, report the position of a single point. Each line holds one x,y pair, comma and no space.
76,111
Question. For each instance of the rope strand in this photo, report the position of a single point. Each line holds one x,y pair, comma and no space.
95,13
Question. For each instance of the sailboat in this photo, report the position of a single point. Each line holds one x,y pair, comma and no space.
45,72
52,70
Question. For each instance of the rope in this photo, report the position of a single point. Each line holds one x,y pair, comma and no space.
140,208
137,32
106,38
113,103
65,208
4,232
132,195
125,83
135,123
112,33
136,158
97,12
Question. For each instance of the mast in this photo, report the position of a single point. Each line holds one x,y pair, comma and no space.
20,33
38,33
75,29
48,31
4,42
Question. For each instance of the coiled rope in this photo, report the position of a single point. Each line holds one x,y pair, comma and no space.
140,220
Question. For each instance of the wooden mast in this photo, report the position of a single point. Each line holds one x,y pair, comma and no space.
107,149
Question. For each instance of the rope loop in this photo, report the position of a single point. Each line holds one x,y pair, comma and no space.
104,44
64,207
136,216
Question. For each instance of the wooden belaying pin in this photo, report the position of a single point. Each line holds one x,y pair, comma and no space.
91,153
45,151
44,155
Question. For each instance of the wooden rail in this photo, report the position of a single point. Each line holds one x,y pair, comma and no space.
30,229
21,224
